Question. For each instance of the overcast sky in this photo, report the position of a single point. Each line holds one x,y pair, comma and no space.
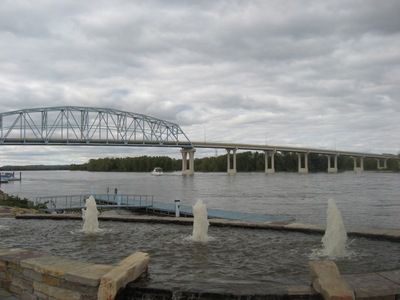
324,74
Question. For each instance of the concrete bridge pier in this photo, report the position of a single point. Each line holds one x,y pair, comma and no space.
269,167
231,171
379,165
303,163
188,164
358,164
332,168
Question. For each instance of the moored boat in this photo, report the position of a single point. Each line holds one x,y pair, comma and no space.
8,176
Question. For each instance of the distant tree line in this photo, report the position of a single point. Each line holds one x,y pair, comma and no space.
35,167
130,164
245,162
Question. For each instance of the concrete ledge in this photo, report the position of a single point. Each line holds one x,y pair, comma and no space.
368,286
129,269
327,281
384,234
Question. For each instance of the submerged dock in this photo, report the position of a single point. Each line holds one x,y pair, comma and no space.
146,203
378,233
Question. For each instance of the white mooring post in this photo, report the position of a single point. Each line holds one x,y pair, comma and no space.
177,207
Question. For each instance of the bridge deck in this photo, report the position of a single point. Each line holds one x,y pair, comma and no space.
147,203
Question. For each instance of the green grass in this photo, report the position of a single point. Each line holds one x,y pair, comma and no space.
15,201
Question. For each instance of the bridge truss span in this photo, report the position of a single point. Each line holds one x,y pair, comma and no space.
75,125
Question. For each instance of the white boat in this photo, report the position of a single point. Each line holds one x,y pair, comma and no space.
157,171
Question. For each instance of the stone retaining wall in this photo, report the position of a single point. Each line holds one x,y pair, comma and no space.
32,275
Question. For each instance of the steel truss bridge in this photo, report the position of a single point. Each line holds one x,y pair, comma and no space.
76,125
93,126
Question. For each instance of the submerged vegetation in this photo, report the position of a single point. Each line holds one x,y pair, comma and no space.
246,162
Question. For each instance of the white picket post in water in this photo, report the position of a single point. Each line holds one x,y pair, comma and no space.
177,207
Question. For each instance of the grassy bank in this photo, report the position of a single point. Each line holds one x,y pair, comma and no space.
15,201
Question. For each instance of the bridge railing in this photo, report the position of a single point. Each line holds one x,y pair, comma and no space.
61,202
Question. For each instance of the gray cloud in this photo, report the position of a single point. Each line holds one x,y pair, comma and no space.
306,73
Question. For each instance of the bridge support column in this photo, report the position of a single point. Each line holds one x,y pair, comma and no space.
231,171
303,164
358,164
269,168
379,165
188,169
332,168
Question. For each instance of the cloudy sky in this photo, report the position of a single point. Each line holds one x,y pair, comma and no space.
324,74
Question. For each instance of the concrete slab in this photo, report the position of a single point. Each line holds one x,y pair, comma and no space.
53,265
379,233
88,275
17,255
10,251
392,276
305,227
372,285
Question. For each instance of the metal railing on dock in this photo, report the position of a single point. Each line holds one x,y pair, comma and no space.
68,202
147,203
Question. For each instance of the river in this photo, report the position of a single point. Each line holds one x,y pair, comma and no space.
370,199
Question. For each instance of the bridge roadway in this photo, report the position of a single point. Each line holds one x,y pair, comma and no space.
94,126
255,147
270,150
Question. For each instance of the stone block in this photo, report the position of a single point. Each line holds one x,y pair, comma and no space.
13,273
372,286
127,270
40,296
90,275
52,265
27,296
55,292
81,288
15,289
14,266
50,280
23,284
5,282
327,281
32,275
